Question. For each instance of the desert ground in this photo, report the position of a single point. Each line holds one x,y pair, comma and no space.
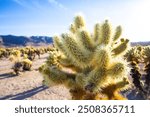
28,85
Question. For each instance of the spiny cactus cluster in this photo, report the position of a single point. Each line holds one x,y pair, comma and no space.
137,56
32,52
146,54
23,56
4,52
29,52
19,62
90,65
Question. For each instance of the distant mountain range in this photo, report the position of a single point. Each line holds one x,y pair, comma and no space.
12,41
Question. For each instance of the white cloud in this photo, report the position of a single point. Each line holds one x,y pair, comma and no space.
30,4
37,4
55,2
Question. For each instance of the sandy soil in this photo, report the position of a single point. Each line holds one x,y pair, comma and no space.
28,85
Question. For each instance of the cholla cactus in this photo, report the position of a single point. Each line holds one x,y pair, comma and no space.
27,64
4,52
19,62
22,56
146,54
90,65
133,56
38,52
137,57
30,51
16,53
16,58
17,67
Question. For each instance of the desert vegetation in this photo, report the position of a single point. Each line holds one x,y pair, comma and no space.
138,58
98,65
22,57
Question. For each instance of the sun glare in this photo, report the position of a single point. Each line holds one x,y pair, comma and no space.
139,20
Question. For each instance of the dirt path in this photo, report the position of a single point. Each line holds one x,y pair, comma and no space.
28,85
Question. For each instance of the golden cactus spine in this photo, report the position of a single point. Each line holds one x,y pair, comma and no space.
94,63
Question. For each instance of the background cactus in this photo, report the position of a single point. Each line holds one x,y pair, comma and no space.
133,57
16,58
89,64
4,53
139,58
146,54
22,57
19,62
27,64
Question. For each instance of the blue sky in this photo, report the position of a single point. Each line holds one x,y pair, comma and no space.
50,17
